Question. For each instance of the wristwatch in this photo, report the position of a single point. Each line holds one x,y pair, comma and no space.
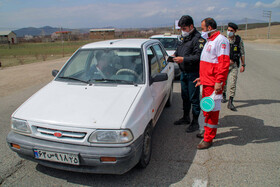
243,65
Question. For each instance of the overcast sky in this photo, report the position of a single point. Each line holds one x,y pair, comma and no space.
126,13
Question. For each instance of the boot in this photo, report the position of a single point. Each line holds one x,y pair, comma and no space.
204,145
224,100
184,120
194,125
230,104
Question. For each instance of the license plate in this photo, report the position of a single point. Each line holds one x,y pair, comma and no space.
57,157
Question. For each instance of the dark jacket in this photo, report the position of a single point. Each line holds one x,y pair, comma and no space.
190,48
235,52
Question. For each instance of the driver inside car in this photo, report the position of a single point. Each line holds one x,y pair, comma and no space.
103,68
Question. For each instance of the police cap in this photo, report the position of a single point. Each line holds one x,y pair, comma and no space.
233,25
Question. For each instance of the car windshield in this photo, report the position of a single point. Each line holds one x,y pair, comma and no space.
168,43
119,66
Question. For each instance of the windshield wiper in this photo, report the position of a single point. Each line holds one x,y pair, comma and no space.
114,80
125,81
74,78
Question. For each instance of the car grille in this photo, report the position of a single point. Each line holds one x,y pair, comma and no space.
62,133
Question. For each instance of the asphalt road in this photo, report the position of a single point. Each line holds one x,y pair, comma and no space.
245,151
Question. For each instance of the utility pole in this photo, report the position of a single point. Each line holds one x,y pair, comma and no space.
246,27
62,41
43,35
267,14
174,27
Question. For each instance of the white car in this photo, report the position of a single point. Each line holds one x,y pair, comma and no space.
169,41
98,114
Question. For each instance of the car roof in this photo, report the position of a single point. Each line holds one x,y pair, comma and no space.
120,43
164,36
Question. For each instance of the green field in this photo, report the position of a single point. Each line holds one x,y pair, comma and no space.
25,53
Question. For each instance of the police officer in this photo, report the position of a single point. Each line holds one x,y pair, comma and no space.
237,52
187,55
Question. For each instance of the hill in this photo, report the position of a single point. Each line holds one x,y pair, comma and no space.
47,30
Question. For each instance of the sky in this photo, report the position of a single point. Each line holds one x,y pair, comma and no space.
15,14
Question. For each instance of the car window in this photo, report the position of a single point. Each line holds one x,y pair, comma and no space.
78,63
115,65
160,55
153,62
168,43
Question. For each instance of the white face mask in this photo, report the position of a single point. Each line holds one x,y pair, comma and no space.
230,34
184,34
205,35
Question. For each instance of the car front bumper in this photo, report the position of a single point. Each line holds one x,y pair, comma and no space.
89,156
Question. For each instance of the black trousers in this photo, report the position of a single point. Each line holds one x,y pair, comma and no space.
190,93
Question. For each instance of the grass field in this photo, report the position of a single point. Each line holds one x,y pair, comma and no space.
25,53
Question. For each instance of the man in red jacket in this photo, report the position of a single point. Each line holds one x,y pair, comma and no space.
213,71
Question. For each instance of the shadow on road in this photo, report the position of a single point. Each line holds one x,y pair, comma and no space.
245,130
248,103
172,156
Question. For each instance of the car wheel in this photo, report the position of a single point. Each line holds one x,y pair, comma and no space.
147,148
170,98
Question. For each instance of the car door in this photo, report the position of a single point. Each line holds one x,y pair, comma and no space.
157,88
165,66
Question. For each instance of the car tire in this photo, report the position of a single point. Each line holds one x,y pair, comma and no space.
147,148
170,98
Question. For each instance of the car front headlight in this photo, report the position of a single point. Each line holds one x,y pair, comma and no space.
111,136
20,126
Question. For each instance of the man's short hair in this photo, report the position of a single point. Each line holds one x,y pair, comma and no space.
210,22
233,25
185,20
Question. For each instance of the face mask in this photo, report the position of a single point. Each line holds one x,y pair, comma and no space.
184,34
230,34
205,35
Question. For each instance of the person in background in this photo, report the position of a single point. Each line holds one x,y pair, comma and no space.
237,52
213,71
187,55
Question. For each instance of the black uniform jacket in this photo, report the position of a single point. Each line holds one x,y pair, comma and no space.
190,48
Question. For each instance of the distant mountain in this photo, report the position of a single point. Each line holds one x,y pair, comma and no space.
47,30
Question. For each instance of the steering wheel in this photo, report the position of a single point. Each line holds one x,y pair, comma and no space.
129,71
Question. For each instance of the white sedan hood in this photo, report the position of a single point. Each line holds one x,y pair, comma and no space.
79,105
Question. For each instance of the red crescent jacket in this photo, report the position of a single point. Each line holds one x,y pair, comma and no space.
214,60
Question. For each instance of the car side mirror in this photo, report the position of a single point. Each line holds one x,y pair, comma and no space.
160,77
54,72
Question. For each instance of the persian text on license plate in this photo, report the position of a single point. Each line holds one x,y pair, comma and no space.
57,157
